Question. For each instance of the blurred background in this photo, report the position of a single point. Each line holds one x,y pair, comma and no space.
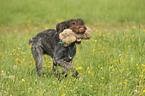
94,12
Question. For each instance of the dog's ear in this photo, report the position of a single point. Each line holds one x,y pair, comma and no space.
65,25
61,26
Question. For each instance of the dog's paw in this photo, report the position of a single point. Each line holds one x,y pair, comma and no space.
75,74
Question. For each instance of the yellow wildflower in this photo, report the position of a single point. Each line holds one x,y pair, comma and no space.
132,35
23,80
77,51
29,88
133,27
49,62
120,82
46,28
89,71
35,28
14,49
18,48
100,34
63,95
79,68
16,59
2,71
125,83
96,30
102,77
140,75
143,65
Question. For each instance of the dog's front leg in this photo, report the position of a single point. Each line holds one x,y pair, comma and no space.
54,70
68,66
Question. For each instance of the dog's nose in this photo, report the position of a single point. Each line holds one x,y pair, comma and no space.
81,29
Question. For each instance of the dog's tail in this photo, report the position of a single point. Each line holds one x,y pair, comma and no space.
30,41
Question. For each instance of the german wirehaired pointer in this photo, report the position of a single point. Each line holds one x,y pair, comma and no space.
47,42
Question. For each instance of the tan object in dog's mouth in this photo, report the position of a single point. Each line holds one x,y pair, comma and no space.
68,36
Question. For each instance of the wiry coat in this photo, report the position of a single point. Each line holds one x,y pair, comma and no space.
47,42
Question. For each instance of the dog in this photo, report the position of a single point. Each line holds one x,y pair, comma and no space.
47,42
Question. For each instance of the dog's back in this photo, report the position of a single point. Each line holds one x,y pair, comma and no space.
47,40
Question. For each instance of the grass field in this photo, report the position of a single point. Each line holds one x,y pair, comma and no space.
111,63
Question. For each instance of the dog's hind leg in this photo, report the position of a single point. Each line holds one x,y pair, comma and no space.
38,57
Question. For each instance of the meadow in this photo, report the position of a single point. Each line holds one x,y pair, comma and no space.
111,63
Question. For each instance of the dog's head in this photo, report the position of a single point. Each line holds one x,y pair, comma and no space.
78,29
76,25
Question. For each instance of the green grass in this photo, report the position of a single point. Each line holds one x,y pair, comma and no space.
114,12
111,63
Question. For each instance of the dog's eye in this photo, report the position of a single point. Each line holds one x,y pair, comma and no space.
73,23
